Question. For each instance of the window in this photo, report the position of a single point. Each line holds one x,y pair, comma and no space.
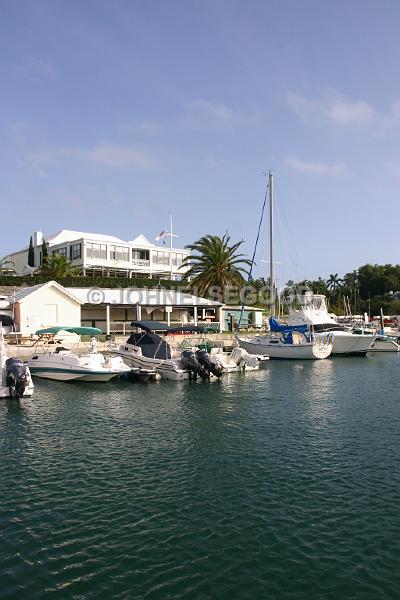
140,254
96,251
62,251
75,252
160,257
177,259
119,253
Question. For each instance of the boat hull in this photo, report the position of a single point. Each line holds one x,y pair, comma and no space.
72,374
168,368
348,344
306,351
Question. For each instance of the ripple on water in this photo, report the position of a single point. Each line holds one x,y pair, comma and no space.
282,483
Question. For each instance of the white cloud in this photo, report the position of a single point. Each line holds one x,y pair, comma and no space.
317,168
200,113
112,155
35,69
106,154
213,110
333,107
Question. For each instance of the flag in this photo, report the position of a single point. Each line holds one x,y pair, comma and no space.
161,235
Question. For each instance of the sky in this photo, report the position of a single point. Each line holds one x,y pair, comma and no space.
113,113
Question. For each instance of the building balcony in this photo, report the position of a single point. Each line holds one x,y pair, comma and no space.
140,262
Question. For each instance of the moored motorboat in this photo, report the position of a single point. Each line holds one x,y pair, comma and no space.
15,376
313,312
385,343
146,349
61,364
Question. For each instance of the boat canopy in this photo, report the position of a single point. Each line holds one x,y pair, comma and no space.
151,344
275,326
6,320
92,331
187,329
157,326
150,325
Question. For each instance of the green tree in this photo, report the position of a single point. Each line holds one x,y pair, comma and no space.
57,266
31,254
45,252
214,263
334,283
377,280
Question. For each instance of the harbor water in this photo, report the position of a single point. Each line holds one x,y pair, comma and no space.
281,483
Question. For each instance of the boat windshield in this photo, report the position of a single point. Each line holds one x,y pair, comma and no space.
328,327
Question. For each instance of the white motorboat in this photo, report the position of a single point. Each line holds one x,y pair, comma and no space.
239,359
145,349
313,312
61,364
385,343
15,377
287,342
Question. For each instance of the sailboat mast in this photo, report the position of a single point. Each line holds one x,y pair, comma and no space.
170,242
271,240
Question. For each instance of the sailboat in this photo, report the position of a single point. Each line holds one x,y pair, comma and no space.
284,341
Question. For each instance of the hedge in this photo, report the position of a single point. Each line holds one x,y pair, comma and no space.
101,282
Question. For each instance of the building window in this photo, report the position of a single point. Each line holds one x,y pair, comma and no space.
96,251
140,256
177,259
119,253
75,252
160,257
61,251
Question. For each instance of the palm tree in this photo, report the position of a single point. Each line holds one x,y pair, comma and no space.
215,263
334,282
58,265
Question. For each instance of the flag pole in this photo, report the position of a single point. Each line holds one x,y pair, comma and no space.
170,241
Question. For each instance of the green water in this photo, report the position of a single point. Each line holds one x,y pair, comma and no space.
283,483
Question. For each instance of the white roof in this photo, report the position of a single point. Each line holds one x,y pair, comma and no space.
141,240
22,295
144,297
67,235
237,307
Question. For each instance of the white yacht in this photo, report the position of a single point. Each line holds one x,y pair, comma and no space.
61,364
313,312
15,377
145,349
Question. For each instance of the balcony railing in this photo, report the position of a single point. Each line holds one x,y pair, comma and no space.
140,262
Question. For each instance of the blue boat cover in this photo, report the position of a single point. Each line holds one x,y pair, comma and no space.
275,326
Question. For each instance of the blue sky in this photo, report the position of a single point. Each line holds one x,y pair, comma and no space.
114,113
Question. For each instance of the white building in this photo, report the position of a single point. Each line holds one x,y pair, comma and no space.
112,310
106,255
45,305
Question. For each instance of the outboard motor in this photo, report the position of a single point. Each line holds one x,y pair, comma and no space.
17,377
204,359
190,362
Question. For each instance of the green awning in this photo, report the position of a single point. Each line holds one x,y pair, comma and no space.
92,331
